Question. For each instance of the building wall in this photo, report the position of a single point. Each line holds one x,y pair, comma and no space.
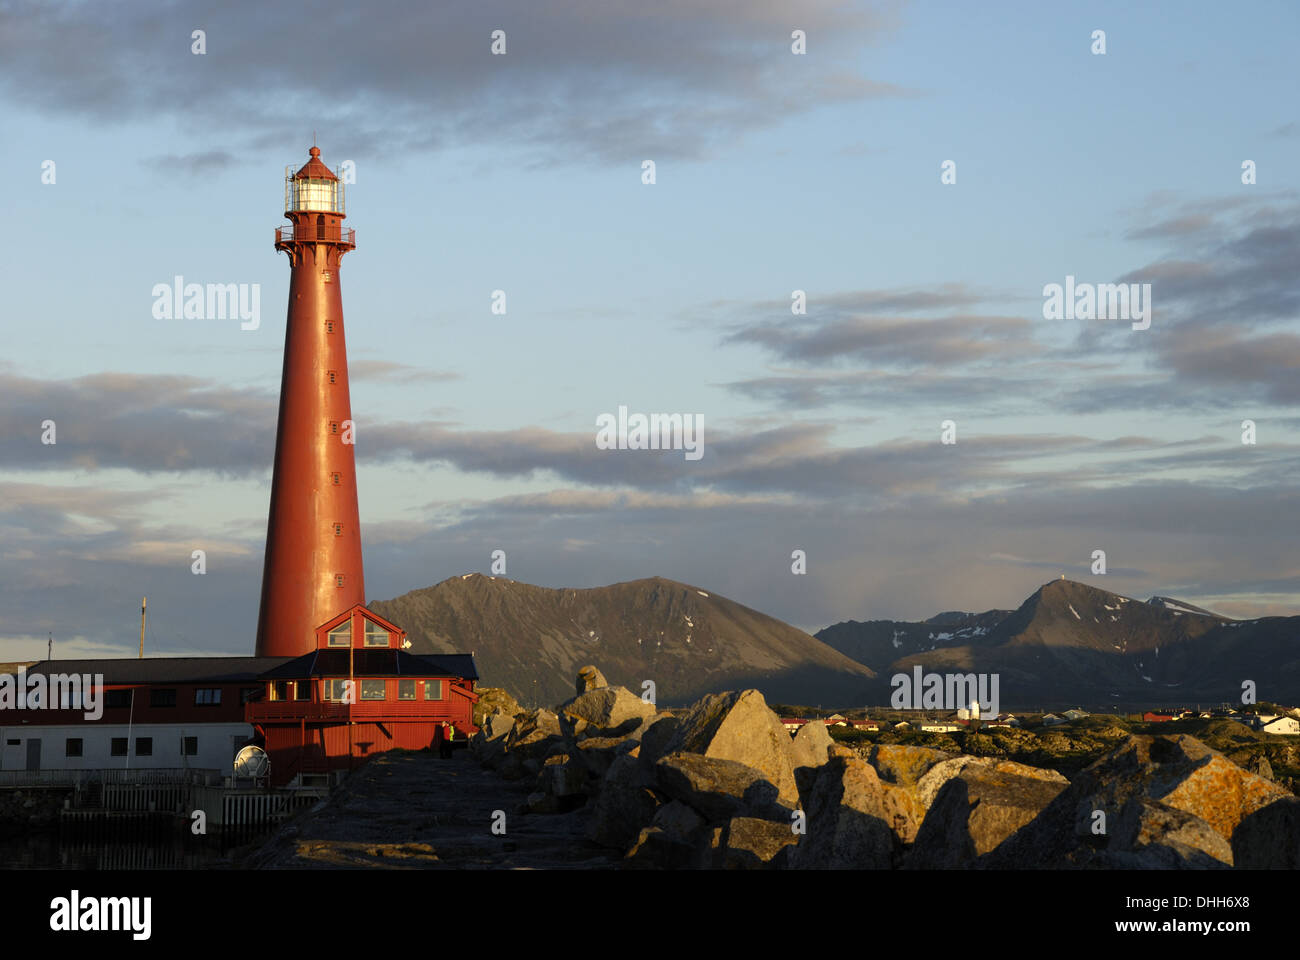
216,745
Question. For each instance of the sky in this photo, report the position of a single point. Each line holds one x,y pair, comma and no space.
921,172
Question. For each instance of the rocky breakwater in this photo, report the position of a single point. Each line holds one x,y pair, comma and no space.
722,785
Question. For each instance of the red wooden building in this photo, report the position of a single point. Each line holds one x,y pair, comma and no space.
358,693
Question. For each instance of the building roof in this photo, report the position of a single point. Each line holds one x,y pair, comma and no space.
165,669
313,169
374,663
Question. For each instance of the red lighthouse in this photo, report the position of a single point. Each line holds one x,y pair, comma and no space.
313,569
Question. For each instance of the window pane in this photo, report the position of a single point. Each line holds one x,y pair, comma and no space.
376,636
302,690
189,746
144,746
405,689
119,746
72,747
433,689
341,636
162,698
372,689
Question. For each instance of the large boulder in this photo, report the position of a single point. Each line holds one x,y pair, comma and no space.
655,737
975,811
1269,838
719,789
740,726
904,766
605,711
488,745
657,849
493,700
597,754
1150,835
929,784
753,844
589,678
1177,771
534,736
850,817
808,752
624,805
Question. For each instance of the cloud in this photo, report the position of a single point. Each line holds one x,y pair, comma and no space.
190,164
383,371
579,83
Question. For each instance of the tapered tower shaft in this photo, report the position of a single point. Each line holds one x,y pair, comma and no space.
313,567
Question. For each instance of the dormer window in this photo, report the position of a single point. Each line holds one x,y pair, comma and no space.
341,636
376,636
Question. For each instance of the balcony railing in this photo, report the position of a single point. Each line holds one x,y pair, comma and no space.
315,234
149,775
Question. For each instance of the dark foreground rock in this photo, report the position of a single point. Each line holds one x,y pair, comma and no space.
408,811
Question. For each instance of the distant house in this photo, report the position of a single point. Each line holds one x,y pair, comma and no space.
1007,720
938,726
999,723
1053,720
902,725
792,723
1151,717
836,721
870,725
1073,715
1288,726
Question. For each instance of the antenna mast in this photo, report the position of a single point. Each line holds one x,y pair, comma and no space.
143,603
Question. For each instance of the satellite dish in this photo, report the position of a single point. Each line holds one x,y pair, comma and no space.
252,762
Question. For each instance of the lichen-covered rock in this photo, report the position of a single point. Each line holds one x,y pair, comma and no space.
1153,835
932,781
904,766
739,726
719,789
1178,771
493,700
975,811
753,844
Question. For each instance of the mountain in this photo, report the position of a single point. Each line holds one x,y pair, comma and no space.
533,640
878,643
1074,643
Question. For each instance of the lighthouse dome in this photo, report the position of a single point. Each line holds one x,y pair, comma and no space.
314,188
